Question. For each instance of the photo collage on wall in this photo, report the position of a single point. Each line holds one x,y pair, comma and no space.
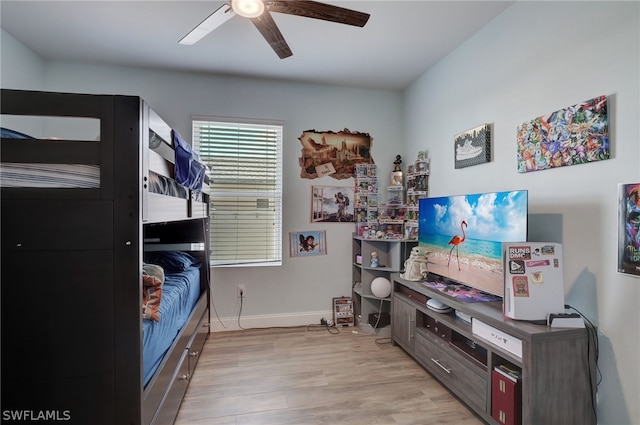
336,155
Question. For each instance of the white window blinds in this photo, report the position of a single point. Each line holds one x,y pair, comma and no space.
246,190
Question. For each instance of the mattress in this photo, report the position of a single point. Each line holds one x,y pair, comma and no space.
165,186
180,293
49,175
77,176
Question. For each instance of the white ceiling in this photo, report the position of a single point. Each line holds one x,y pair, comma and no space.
399,43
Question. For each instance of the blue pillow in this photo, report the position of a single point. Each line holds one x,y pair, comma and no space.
12,134
172,261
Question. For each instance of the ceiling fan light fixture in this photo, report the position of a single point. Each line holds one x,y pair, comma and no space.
248,8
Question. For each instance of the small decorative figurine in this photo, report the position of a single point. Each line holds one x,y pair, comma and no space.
415,267
374,259
396,174
396,163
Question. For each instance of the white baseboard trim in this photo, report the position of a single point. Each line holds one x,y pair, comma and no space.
224,324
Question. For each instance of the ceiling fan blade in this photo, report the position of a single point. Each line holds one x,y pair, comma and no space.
317,10
270,31
217,18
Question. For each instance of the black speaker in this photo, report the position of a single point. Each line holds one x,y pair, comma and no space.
385,319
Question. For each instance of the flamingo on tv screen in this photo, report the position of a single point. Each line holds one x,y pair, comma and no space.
475,225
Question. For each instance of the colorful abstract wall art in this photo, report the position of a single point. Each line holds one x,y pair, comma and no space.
574,135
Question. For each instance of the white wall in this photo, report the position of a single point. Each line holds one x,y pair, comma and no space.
533,59
20,66
24,70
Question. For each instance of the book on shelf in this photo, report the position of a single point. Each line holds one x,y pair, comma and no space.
508,372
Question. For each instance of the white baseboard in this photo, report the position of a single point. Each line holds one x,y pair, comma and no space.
224,324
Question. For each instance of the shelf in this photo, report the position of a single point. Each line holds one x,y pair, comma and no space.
380,268
391,255
555,368
373,297
469,348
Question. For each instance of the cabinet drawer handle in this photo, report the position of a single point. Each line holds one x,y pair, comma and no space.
442,367
184,377
410,330
194,353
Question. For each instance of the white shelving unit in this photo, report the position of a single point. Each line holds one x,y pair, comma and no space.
391,256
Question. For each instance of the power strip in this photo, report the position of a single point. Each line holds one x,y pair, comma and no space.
565,320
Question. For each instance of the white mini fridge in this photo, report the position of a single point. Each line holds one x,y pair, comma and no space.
533,280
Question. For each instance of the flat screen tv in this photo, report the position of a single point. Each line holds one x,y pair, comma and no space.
464,233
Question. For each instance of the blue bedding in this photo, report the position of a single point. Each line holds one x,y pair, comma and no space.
189,171
180,292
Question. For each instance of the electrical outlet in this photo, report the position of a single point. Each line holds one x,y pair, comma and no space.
242,291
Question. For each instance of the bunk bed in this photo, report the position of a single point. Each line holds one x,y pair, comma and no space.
105,260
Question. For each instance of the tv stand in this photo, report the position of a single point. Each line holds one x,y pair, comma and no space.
556,377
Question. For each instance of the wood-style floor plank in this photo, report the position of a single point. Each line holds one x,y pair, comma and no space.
308,376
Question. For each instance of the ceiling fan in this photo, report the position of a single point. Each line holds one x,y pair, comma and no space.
259,12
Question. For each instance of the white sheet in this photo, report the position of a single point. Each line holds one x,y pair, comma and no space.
49,175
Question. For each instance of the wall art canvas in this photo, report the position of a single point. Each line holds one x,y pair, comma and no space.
574,135
332,204
333,154
308,243
473,147
629,229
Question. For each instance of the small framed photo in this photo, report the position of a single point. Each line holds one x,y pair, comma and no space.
332,204
309,243
473,147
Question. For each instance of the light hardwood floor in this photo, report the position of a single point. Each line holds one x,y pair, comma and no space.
307,376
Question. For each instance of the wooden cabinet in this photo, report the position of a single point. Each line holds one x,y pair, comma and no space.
403,323
555,366
391,254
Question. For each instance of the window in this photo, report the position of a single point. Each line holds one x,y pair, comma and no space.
246,190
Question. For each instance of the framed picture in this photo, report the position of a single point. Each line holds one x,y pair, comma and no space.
333,154
574,135
309,243
332,204
629,229
473,147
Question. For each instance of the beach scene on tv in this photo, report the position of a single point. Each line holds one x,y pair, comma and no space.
463,235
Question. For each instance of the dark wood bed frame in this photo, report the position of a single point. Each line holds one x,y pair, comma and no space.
71,270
